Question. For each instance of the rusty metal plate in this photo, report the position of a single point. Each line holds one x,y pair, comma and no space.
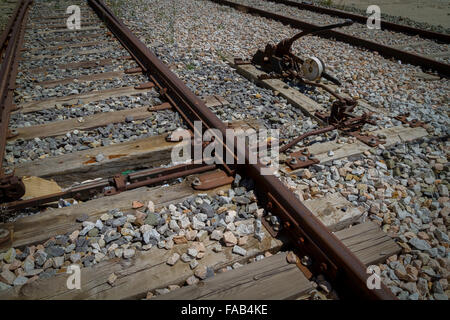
146,85
270,228
212,180
133,70
12,133
370,140
162,106
322,115
413,123
301,159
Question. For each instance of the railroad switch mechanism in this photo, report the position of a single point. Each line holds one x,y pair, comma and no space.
301,159
212,180
280,63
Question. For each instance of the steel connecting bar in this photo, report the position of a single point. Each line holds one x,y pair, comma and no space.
117,184
363,19
386,51
305,135
328,253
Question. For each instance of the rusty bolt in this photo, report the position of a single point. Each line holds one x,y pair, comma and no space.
196,182
287,224
301,240
306,261
12,133
323,267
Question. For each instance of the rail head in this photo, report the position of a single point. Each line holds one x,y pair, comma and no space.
11,187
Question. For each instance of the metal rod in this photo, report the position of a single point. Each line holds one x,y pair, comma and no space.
151,177
305,135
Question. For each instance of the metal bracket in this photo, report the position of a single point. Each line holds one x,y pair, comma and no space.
301,159
413,123
322,115
270,228
145,85
120,185
370,140
133,70
12,133
162,106
212,180
11,188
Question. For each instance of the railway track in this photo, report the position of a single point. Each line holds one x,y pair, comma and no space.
386,25
127,230
407,49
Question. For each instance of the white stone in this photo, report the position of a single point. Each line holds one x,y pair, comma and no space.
173,259
239,250
216,235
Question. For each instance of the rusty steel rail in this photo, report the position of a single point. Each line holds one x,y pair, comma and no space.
388,52
11,40
329,255
169,85
445,38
